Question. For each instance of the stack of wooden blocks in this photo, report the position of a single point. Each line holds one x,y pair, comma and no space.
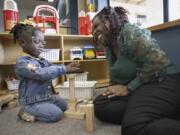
85,109
9,100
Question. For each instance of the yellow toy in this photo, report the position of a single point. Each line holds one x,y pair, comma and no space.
89,52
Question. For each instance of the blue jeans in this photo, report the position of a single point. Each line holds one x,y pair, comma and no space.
47,111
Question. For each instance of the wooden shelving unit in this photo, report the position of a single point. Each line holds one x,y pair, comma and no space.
97,68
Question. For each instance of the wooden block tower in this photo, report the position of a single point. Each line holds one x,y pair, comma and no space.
86,110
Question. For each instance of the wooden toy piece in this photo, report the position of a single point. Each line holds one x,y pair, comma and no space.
5,99
86,109
13,104
72,102
90,117
82,108
71,86
72,99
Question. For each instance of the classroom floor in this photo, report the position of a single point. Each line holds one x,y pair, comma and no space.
11,125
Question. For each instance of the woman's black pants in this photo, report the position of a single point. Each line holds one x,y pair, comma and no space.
153,109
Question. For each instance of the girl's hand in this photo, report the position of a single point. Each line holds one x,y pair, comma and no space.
73,67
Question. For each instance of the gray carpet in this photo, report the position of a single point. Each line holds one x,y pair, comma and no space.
11,125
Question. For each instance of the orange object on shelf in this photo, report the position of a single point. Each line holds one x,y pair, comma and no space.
10,14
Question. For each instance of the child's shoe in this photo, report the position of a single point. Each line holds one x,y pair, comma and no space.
26,116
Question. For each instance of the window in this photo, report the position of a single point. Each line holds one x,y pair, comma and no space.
141,20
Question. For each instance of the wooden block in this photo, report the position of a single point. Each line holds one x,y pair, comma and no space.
90,102
5,99
12,104
72,106
85,101
1,107
82,108
74,115
90,118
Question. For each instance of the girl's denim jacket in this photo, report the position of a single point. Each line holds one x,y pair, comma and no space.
35,75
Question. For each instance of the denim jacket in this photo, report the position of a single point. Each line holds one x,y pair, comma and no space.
35,77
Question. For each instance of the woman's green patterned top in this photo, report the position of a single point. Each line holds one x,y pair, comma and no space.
140,59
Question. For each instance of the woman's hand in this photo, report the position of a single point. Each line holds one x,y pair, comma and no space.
116,90
73,67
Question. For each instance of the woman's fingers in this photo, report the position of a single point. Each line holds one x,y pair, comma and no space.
107,92
111,96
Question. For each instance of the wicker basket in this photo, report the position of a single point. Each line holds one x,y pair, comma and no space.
51,54
12,84
83,90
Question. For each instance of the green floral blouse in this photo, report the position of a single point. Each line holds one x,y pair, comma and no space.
140,59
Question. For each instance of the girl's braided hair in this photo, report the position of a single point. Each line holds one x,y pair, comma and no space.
19,29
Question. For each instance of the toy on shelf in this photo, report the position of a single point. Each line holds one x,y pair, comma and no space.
46,18
11,14
51,54
89,52
84,24
86,110
90,5
12,83
76,53
29,20
100,53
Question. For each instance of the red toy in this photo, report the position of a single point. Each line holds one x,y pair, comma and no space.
46,18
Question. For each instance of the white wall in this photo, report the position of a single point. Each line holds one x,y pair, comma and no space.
153,9
133,10
174,9
154,12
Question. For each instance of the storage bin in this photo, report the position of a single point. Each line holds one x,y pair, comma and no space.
83,90
12,84
51,54
81,76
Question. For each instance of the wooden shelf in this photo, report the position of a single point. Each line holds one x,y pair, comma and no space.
6,92
102,83
165,25
6,35
88,60
7,63
13,63
77,37
56,41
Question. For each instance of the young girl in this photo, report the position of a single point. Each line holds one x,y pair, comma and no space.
36,97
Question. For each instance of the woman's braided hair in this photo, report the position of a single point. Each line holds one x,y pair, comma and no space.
117,16
19,29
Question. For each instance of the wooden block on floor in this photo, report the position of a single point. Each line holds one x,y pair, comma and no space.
12,104
82,108
90,118
74,114
5,99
